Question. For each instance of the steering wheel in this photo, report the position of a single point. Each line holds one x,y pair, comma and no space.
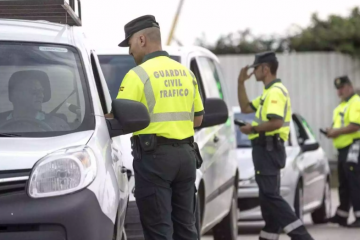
36,123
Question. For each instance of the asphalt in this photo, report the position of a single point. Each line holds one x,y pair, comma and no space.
318,232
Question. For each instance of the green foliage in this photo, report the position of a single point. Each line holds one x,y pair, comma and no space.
243,42
335,34
340,34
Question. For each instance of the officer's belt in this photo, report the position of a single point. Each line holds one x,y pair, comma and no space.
169,141
261,141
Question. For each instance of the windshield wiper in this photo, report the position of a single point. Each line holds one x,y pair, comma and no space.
9,135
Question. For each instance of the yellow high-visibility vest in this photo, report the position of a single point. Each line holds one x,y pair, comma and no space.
273,103
169,91
344,114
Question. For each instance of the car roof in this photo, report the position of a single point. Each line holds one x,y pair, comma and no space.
36,31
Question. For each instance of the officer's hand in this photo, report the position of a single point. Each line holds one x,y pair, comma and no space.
246,129
243,76
332,133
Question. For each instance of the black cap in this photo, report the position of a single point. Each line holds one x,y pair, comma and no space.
341,81
264,57
136,25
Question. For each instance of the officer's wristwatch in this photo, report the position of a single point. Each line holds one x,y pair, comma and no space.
253,130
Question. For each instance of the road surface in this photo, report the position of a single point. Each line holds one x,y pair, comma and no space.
318,232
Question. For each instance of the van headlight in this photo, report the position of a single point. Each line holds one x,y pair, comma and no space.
62,172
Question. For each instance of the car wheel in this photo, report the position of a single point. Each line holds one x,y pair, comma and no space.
227,229
299,201
324,212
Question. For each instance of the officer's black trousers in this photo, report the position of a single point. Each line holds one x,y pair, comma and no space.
349,184
165,192
276,212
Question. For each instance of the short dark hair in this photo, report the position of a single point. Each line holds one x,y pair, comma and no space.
273,67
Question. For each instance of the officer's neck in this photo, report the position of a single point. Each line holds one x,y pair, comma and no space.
153,48
348,96
269,80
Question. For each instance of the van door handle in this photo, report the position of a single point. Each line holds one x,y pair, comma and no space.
216,139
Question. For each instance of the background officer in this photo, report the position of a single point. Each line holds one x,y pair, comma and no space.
268,132
164,156
346,138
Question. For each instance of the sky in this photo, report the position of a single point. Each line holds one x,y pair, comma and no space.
104,22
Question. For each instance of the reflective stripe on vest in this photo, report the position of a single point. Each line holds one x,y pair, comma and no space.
150,99
342,116
259,120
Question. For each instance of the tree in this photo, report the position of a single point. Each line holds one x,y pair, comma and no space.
336,33
243,42
340,34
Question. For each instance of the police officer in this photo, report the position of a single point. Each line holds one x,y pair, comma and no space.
164,156
268,132
346,139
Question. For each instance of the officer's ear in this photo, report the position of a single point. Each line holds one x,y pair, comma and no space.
142,40
266,69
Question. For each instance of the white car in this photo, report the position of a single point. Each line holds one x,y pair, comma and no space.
61,170
305,180
218,177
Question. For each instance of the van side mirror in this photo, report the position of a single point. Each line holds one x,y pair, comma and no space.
129,116
309,146
216,112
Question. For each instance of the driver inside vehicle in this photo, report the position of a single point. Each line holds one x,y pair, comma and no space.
28,90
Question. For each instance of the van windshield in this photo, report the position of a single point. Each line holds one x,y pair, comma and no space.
42,90
242,139
115,67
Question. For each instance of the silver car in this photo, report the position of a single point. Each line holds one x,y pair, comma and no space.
305,180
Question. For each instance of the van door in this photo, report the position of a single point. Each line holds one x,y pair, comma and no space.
207,142
309,162
105,99
316,173
222,141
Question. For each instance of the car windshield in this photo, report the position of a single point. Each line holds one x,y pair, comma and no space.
242,140
43,90
115,67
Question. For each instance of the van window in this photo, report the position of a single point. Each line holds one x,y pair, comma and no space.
211,77
98,84
195,69
302,133
42,90
115,67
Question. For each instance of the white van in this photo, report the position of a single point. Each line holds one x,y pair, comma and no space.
61,174
217,180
